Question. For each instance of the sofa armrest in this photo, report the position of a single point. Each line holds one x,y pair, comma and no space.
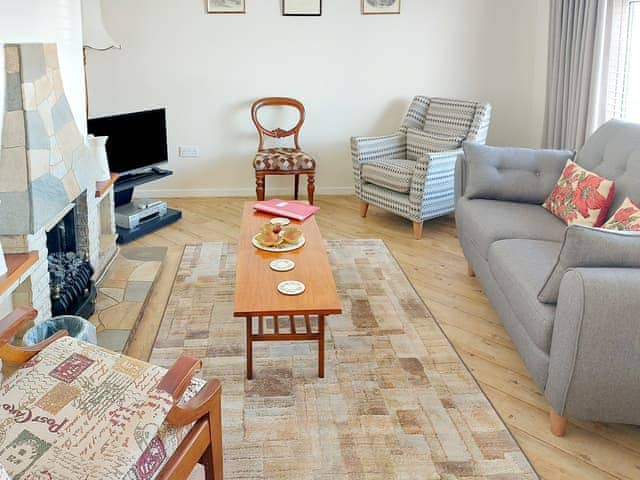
365,149
368,149
512,174
587,247
595,349
436,167
461,177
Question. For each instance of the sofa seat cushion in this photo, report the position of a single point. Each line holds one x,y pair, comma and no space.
520,268
395,175
484,222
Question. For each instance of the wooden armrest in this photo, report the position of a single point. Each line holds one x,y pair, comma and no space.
18,355
10,324
205,402
178,378
176,381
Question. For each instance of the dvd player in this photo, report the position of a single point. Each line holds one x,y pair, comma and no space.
139,211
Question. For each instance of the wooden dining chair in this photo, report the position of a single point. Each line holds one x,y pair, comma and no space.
282,161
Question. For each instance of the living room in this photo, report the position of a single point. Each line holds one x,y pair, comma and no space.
320,239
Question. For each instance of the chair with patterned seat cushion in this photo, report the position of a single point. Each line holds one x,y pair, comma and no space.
282,161
79,411
412,172
395,175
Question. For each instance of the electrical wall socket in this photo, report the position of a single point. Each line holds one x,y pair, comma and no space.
188,151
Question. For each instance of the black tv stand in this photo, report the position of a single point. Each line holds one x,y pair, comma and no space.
123,193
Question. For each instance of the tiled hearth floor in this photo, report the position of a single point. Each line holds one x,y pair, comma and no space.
123,292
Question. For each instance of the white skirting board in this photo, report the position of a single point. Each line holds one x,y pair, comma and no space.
237,192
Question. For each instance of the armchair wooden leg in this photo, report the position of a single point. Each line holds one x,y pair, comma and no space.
558,424
417,230
215,449
311,187
470,271
212,459
364,208
260,187
296,186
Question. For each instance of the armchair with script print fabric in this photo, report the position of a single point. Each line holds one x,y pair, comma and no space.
75,411
412,172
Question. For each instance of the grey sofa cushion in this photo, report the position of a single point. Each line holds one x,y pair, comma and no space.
514,174
520,268
487,221
613,152
586,247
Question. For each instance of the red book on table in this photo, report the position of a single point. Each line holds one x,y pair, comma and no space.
283,208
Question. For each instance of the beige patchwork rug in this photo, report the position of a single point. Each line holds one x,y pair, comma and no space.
397,402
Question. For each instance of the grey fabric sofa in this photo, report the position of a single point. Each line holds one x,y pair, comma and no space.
582,347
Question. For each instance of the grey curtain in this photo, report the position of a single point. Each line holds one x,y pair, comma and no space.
579,41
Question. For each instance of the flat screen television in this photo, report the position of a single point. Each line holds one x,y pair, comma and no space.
136,140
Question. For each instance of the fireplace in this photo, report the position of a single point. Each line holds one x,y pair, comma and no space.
72,289
50,205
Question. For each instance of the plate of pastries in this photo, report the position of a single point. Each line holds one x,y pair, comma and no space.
278,238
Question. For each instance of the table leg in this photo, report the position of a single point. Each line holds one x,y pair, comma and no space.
249,348
321,346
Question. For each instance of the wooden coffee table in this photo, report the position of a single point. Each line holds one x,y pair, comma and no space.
270,315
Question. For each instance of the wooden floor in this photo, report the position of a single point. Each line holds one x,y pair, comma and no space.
436,267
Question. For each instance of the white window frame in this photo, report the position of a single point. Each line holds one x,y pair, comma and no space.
622,39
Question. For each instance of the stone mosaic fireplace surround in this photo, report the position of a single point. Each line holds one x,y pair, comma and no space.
45,170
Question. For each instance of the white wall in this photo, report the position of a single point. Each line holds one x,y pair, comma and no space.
48,21
356,75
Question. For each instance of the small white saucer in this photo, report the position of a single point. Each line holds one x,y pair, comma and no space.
282,221
291,287
282,265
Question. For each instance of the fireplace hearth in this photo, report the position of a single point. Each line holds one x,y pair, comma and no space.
46,171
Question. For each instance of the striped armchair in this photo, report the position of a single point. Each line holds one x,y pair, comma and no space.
412,172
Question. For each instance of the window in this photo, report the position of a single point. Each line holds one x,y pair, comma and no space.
624,74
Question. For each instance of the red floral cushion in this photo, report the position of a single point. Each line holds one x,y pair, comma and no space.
580,197
626,218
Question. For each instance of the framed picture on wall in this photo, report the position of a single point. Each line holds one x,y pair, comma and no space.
376,7
302,8
226,6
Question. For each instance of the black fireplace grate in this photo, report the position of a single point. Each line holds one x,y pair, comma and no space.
72,291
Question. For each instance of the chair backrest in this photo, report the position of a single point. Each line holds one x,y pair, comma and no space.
613,151
278,132
443,117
